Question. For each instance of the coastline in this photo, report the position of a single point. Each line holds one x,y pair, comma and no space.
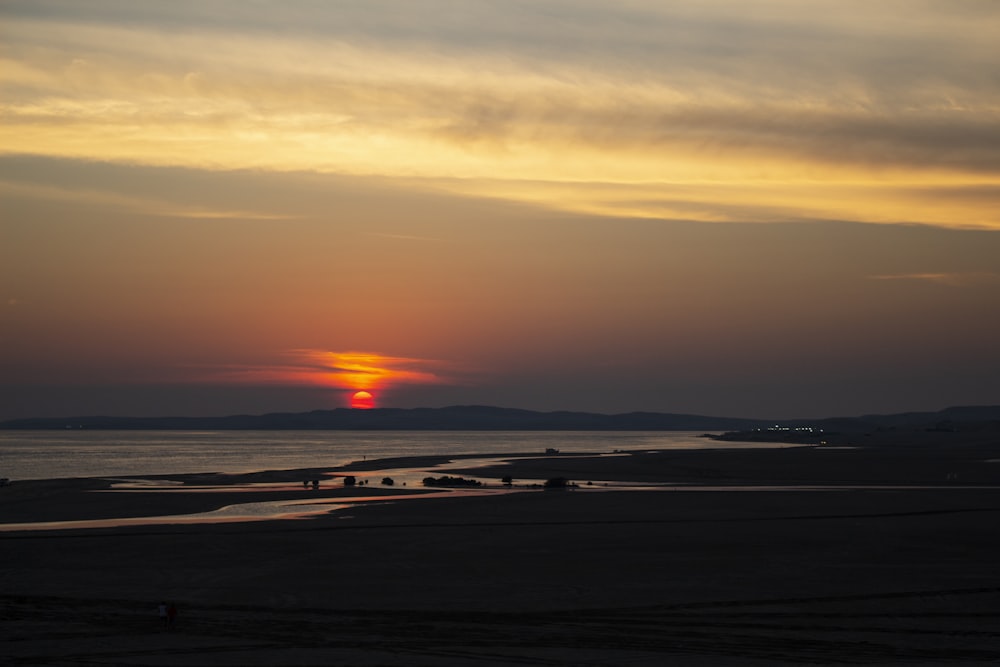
899,569
99,498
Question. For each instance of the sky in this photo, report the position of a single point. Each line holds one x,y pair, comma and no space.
762,208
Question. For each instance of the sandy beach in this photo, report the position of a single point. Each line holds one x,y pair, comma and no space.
881,555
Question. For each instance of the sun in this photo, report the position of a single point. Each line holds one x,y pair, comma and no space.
362,400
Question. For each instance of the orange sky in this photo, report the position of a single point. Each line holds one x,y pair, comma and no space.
715,207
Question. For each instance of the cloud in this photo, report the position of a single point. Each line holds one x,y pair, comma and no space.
953,279
635,95
756,201
133,204
338,370
405,237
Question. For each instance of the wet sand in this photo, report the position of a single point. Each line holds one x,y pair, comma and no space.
864,556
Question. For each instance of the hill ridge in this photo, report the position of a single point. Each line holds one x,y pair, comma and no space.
485,417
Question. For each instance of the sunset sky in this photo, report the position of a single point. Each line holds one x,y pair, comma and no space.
766,208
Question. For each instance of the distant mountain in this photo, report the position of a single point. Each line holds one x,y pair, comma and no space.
485,418
969,414
957,426
455,418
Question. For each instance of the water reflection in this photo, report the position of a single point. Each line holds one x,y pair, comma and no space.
407,486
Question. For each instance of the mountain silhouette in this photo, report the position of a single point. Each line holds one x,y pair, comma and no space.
487,418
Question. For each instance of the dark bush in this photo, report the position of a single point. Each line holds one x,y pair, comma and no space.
450,481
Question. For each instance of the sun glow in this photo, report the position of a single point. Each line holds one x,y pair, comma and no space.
360,373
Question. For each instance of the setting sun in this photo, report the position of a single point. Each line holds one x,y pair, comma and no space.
362,400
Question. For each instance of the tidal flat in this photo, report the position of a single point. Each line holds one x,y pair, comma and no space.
796,555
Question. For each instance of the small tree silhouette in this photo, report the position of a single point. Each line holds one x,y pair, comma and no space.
508,480
350,480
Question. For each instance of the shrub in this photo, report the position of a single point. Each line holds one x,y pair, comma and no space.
450,481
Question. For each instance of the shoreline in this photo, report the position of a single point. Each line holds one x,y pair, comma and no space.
181,498
97,498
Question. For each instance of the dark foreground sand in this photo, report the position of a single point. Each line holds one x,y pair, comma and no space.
894,558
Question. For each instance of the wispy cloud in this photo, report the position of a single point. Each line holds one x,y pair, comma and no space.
337,370
404,237
146,206
797,104
953,279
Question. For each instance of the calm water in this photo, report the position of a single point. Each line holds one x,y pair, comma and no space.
57,454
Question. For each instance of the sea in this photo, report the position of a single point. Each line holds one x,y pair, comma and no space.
81,453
